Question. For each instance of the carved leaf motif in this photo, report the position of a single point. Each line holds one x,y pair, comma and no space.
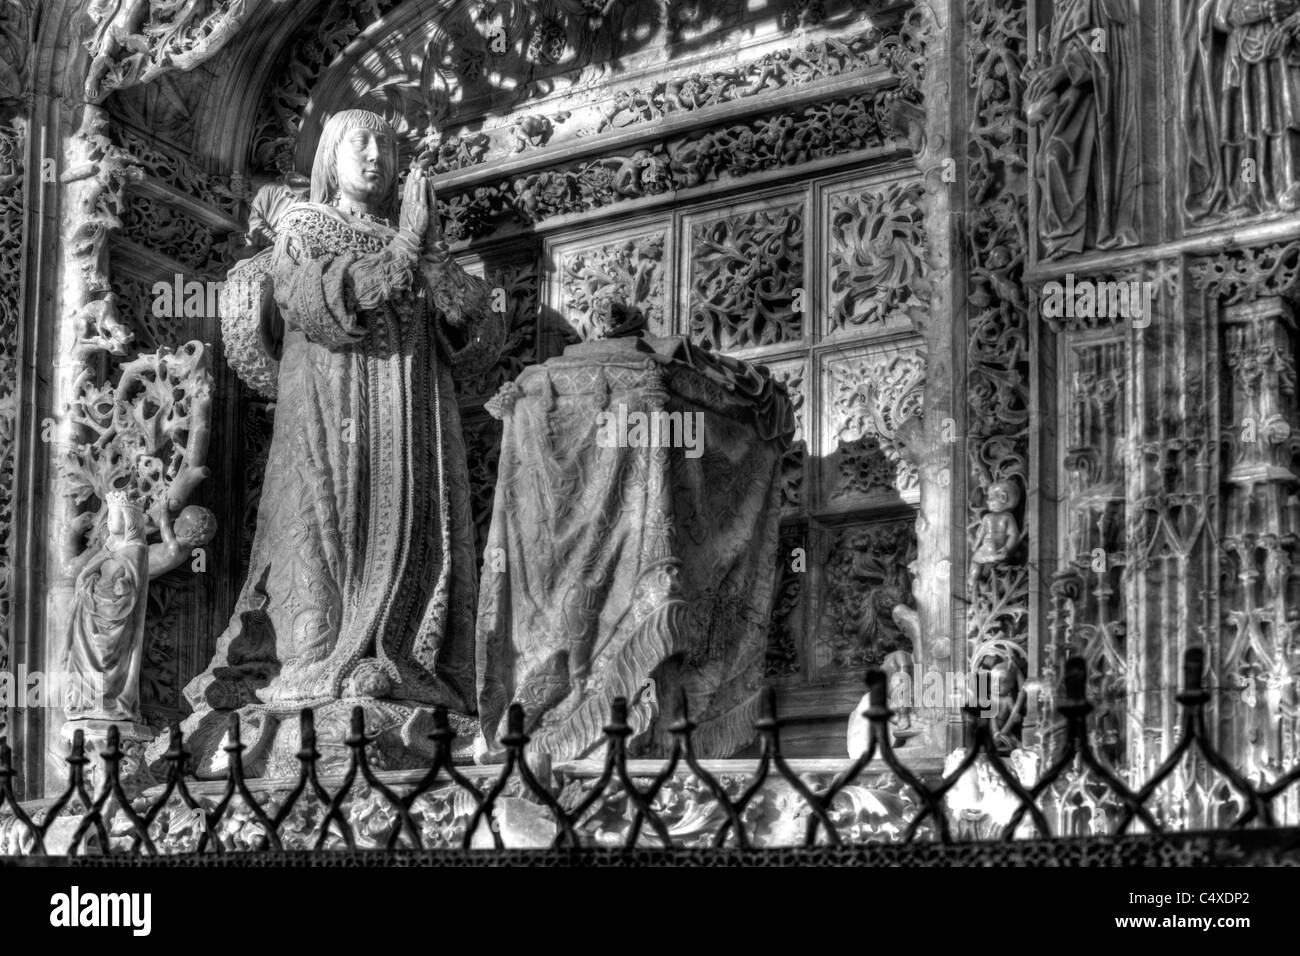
866,577
147,432
871,399
745,270
519,283
627,273
877,255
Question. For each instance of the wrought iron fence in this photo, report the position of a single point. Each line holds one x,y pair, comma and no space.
138,823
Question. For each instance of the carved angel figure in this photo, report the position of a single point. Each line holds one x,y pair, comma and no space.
363,563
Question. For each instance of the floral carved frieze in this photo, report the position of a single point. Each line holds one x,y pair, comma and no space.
746,277
877,253
874,405
866,577
778,140
614,283
1248,274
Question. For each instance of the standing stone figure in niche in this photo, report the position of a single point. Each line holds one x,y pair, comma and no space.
106,634
362,575
1241,106
1083,99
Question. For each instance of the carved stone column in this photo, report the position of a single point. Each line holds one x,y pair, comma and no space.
1260,658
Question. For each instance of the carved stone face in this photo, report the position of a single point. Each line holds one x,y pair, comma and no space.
365,172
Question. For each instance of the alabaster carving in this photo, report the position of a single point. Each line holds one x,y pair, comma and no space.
1239,112
632,568
361,579
1083,98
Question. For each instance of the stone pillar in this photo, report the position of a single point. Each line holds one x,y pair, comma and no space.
1259,660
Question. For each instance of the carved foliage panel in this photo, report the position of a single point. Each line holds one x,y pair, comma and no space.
876,247
871,408
743,271
614,281
865,575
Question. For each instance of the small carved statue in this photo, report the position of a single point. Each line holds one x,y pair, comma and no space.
998,532
106,633
362,570
1008,697
1083,99
1240,109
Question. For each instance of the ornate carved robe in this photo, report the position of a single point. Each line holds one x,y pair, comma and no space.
1087,162
1242,110
364,541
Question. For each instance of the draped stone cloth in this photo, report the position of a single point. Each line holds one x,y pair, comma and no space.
364,541
631,571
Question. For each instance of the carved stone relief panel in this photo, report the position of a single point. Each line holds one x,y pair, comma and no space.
872,406
1088,595
997,320
876,247
616,281
13,143
1261,525
793,374
779,140
516,287
156,226
744,276
865,576
786,640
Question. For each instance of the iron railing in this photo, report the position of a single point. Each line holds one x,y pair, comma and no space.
138,823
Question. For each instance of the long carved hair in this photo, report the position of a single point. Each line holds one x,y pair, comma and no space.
324,170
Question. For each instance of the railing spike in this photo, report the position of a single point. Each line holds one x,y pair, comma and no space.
1193,669
877,688
515,720
1076,680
